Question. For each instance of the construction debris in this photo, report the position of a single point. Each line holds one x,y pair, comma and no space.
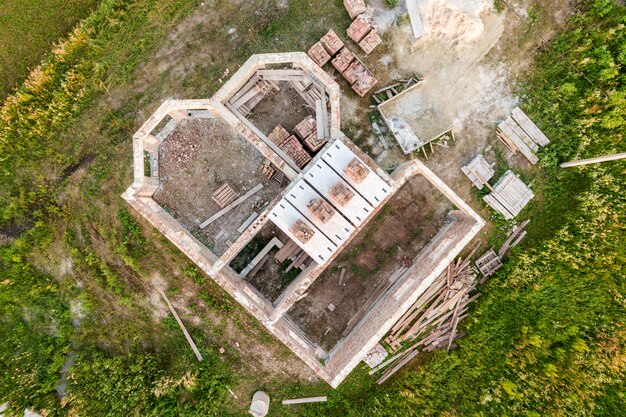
479,171
433,319
509,196
519,133
375,356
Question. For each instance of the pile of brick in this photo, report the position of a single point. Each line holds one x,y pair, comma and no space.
321,209
305,133
341,194
302,231
359,77
354,7
363,33
352,69
322,51
356,170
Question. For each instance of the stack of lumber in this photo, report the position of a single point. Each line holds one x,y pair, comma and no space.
509,196
479,171
519,133
431,322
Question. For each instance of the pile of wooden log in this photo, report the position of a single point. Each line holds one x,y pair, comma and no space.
431,322
519,133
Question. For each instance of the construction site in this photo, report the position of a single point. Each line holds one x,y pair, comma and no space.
340,258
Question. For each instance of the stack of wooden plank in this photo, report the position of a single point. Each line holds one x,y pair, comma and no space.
286,251
224,195
479,171
432,321
519,133
509,196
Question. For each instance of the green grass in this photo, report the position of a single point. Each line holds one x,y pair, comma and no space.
29,29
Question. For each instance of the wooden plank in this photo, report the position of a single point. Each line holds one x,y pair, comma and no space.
529,127
497,206
305,400
231,206
182,327
319,119
243,90
286,251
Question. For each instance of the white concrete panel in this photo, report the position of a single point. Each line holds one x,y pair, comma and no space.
323,178
319,247
337,228
372,188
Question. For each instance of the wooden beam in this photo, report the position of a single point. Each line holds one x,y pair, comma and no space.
599,159
182,327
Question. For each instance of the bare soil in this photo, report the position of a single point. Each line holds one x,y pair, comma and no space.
285,107
197,158
401,229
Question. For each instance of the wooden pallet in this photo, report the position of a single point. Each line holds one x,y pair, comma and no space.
224,195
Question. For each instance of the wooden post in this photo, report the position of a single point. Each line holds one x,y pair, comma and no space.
594,160
182,327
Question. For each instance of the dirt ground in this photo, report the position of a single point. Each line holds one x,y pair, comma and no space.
285,107
196,159
415,214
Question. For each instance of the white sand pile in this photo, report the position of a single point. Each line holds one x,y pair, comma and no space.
455,22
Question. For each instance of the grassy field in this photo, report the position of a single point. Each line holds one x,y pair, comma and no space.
29,29
80,270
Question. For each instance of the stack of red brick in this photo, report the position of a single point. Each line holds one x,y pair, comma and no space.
305,133
353,70
361,30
